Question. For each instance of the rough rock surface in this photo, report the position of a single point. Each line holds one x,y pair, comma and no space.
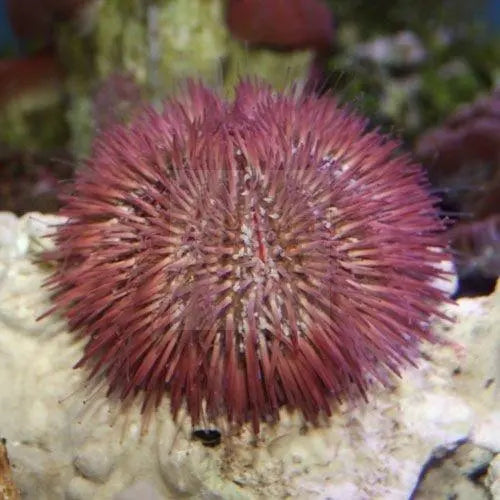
459,473
66,441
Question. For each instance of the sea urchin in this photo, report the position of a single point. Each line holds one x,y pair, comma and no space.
245,256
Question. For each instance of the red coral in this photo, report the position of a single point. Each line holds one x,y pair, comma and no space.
22,75
465,153
292,24
36,18
463,157
470,134
246,256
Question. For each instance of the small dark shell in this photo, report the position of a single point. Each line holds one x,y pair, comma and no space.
208,437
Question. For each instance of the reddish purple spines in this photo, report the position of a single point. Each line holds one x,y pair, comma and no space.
249,255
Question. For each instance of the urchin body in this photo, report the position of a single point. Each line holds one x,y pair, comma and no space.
249,255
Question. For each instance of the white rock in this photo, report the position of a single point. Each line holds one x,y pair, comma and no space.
94,461
142,489
486,432
80,489
493,478
13,241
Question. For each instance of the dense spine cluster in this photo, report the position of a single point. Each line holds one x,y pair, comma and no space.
248,255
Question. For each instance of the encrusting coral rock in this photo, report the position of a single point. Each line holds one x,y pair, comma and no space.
61,448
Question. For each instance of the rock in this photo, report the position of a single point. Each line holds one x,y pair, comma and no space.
80,488
487,432
473,461
94,462
141,489
457,474
493,478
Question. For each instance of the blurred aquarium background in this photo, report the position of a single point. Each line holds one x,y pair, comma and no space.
427,72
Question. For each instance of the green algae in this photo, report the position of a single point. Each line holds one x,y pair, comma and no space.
161,44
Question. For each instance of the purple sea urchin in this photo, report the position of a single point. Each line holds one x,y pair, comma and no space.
248,255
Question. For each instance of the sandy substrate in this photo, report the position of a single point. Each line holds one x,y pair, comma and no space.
66,442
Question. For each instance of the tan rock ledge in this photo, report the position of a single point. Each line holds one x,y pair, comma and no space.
63,444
